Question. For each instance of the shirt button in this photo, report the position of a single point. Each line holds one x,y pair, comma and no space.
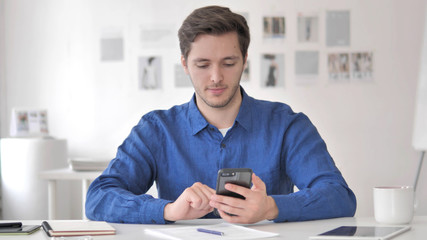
222,145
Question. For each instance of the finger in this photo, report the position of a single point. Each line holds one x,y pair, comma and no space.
224,216
197,197
192,197
238,189
257,183
228,218
207,193
231,201
207,190
237,211
235,206
204,192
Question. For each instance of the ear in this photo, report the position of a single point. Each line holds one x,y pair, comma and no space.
246,61
184,64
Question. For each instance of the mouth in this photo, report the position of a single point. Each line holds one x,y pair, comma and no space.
216,90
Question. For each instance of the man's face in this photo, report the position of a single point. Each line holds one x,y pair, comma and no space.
215,65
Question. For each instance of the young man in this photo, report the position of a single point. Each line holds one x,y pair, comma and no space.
182,149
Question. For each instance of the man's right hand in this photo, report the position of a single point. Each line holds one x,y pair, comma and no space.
191,204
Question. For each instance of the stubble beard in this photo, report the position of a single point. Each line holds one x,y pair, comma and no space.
222,104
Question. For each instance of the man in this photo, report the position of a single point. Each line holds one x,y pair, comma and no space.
181,149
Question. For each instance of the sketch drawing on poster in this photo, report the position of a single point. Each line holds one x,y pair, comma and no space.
181,78
274,27
337,28
362,66
150,70
111,43
339,67
272,70
308,28
306,67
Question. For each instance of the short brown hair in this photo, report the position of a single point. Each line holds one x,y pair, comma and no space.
213,20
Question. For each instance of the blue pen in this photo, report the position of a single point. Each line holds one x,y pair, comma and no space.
210,231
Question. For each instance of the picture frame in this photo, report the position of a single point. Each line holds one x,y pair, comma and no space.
29,123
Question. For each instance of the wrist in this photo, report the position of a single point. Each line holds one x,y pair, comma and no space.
272,210
167,213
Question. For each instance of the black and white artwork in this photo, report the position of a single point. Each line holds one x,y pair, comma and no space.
272,70
150,72
308,28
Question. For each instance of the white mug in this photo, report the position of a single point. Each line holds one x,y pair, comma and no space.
394,205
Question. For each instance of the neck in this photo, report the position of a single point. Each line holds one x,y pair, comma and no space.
223,117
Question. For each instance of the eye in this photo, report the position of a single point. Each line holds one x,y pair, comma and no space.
229,64
202,66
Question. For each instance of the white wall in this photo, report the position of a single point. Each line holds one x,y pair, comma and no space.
2,66
52,61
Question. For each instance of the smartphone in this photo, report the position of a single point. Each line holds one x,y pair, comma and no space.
238,176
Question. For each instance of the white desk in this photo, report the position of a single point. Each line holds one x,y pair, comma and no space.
290,230
66,174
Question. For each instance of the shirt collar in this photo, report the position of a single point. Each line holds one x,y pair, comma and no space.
244,118
198,122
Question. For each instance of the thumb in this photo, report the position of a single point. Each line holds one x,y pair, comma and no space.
257,183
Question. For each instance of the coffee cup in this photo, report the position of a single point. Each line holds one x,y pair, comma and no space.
394,204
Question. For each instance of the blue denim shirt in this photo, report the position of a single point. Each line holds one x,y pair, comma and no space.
177,147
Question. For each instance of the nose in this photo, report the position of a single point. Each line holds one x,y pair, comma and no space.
216,74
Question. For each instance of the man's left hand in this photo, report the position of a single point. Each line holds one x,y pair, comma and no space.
256,206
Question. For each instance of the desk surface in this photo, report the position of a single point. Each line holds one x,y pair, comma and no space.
290,230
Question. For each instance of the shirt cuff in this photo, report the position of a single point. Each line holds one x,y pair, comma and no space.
155,215
289,209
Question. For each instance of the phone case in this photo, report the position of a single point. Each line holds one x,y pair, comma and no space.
238,176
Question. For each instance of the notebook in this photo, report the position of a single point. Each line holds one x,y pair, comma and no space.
77,228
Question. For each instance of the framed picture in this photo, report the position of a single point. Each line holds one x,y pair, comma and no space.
362,66
308,28
29,123
339,67
274,27
272,70
150,72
